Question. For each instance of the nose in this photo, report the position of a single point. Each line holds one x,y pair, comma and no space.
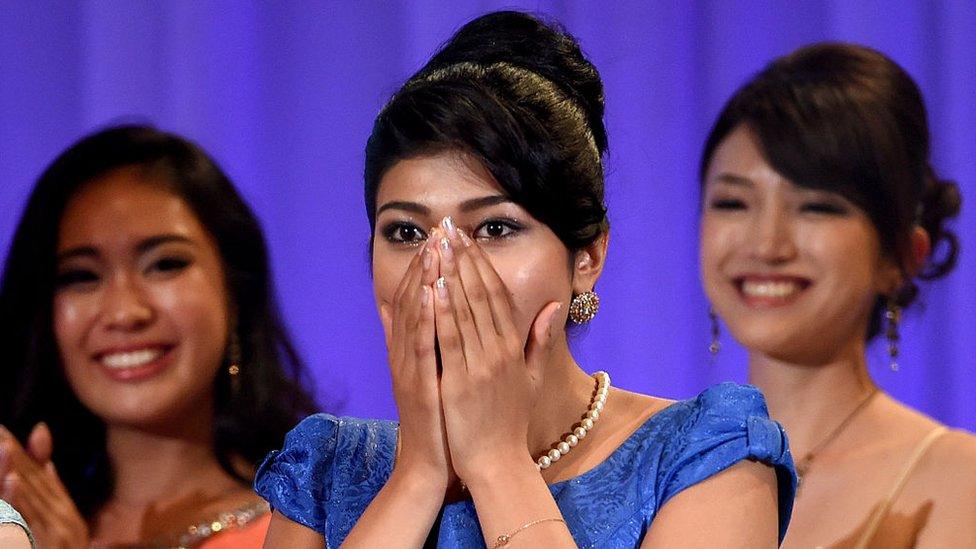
125,306
773,238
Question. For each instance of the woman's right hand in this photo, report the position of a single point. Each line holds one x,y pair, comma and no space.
408,323
405,509
29,482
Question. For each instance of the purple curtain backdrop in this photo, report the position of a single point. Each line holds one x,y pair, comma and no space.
283,94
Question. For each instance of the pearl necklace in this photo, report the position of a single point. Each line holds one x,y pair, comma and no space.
564,446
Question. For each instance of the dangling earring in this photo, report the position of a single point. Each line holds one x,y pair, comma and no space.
234,363
584,307
892,317
715,345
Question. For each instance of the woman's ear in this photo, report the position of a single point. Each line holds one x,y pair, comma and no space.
921,248
913,260
588,264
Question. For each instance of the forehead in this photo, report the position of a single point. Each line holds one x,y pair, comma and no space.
740,155
437,181
121,207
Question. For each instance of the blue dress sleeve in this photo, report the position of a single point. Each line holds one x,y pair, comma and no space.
297,480
726,424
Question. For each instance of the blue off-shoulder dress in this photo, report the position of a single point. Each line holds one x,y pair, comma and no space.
331,468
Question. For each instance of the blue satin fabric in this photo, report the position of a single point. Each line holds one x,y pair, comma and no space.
331,468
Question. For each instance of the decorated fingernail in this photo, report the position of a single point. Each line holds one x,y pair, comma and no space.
441,286
446,252
448,225
427,258
464,238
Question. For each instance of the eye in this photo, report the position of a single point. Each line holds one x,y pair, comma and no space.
404,233
727,204
75,279
169,264
497,228
821,207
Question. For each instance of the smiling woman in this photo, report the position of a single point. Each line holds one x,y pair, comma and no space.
146,368
820,213
484,192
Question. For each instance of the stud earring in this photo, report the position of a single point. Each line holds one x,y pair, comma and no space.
715,345
234,363
892,318
584,307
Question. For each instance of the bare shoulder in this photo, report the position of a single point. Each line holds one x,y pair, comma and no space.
950,462
944,479
637,406
944,487
954,450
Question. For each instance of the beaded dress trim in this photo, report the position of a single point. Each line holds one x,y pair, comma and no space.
196,534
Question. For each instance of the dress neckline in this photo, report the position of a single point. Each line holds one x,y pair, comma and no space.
599,467
626,443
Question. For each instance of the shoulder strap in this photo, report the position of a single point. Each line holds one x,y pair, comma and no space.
882,511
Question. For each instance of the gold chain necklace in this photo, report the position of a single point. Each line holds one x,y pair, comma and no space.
803,465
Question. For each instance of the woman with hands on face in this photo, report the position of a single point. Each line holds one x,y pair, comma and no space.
484,192
146,370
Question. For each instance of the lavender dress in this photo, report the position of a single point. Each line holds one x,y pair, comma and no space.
331,468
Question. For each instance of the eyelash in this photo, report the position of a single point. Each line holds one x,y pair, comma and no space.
390,233
169,264
728,204
74,277
823,208
513,226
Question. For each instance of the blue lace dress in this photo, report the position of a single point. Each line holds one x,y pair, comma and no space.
331,468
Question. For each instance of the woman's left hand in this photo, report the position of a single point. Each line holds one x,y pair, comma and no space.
490,376
29,482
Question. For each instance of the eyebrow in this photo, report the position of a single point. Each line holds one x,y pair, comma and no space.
143,247
466,206
733,179
411,207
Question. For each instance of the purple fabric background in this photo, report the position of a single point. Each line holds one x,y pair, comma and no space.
283,95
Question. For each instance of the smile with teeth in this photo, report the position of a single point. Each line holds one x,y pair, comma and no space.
131,359
770,289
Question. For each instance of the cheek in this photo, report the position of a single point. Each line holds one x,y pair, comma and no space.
533,284
849,259
72,317
388,271
196,307
717,241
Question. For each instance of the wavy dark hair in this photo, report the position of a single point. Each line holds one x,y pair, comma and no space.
847,119
249,421
518,95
